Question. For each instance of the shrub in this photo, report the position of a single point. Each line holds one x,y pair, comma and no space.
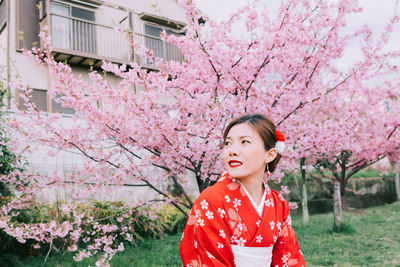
345,228
171,219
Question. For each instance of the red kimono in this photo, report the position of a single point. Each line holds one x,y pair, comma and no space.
223,215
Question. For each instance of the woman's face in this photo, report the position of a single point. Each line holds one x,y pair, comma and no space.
244,154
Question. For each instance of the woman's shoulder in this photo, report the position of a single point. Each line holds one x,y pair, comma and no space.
214,194
278,198
280,203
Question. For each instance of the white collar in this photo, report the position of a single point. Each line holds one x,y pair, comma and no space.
260,207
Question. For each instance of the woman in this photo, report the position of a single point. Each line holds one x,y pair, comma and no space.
240,221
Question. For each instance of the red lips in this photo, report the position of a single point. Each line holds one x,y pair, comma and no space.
234,163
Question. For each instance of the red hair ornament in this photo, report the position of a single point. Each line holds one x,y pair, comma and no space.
280,142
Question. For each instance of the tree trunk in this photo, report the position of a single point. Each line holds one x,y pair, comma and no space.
337,205
304,198
343,200
304,204
396,179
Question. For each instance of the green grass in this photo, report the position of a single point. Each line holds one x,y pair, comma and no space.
152,252
374,240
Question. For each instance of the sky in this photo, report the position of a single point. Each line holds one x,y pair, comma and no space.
376,14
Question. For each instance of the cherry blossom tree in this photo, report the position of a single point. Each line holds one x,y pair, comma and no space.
172,129
360,132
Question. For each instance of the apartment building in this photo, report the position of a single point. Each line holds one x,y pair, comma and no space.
83,35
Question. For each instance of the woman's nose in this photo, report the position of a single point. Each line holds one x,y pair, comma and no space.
233,151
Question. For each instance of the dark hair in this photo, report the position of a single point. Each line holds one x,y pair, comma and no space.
264,127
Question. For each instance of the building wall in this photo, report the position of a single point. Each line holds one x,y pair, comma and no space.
163,8
3,54
34,76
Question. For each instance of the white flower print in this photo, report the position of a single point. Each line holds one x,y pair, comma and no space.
269,203
197,213
200,221
241,241
195,244
210,215
227,199
259,238
221,212
278,225
237,202
272,225
219,245
285,259
222,233
210,255
234,180
233,239
204,204
258,223
240,226
275,238
289,220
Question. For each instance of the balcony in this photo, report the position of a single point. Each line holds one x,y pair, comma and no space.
160,48
84,42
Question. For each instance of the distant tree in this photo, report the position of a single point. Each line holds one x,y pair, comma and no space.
360,132
8,159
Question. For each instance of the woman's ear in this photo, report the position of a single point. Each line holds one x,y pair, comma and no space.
270,155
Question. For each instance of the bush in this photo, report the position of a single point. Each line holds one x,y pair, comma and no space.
345,228
171,219
143,222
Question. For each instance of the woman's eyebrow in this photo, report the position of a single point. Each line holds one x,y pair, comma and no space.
240,137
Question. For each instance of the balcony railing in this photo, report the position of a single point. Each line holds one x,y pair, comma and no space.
160,48
92,40
88,38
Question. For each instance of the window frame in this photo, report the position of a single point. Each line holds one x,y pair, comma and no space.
162,27
72,4
3,24
91,37
19,93
159,26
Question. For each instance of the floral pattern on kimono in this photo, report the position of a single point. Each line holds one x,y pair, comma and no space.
223,216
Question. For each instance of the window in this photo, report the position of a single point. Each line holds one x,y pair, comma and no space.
38,97
42,10
72,28
3,14
160,48
57,107
27,24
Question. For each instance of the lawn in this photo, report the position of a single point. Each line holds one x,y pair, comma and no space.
375,241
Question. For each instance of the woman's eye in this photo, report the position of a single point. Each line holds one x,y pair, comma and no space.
245,141
227,143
